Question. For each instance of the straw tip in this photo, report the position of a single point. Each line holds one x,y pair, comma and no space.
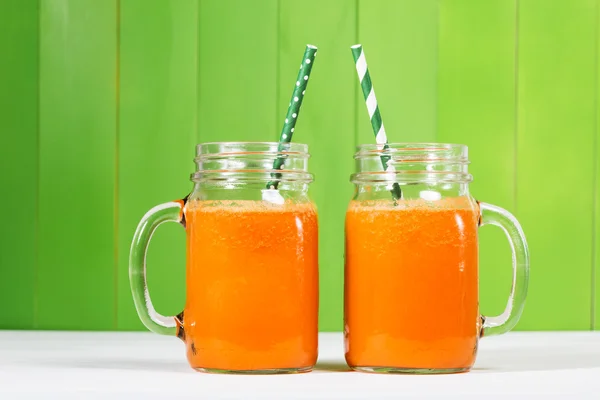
310,46
356,46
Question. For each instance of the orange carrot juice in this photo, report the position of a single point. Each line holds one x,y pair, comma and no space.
252,286
411,284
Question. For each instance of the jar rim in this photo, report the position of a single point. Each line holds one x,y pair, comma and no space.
208,149
413,145
447,151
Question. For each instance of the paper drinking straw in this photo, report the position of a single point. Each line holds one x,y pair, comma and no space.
373,109
294,109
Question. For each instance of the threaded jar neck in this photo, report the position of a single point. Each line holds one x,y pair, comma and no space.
412,163
251,161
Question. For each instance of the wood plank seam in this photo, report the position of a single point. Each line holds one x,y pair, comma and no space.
516,110
38,169
595,181
116,193
356,85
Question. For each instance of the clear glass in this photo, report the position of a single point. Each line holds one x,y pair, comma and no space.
252,261
411,267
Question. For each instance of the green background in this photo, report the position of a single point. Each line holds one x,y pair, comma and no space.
101,103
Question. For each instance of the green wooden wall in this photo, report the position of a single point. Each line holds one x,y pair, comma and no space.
101,104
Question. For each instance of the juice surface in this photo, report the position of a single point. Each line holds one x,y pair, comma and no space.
252,285
411,284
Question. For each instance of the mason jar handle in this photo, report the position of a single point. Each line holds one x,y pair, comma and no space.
167,212
493,215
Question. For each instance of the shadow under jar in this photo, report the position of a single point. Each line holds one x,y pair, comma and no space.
411,262
252,261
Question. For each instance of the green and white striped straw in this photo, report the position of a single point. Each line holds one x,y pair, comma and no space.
373,109
293,109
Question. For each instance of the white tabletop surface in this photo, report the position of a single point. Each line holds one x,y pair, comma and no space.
95,365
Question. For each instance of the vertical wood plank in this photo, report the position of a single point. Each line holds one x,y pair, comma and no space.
556,128
237,73
77,164
477,100
596,275
326,124
18,160
400,42
157,132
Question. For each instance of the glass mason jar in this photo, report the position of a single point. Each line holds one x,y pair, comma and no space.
252,262
411,269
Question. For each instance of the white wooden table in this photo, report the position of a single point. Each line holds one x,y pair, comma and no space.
90,365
